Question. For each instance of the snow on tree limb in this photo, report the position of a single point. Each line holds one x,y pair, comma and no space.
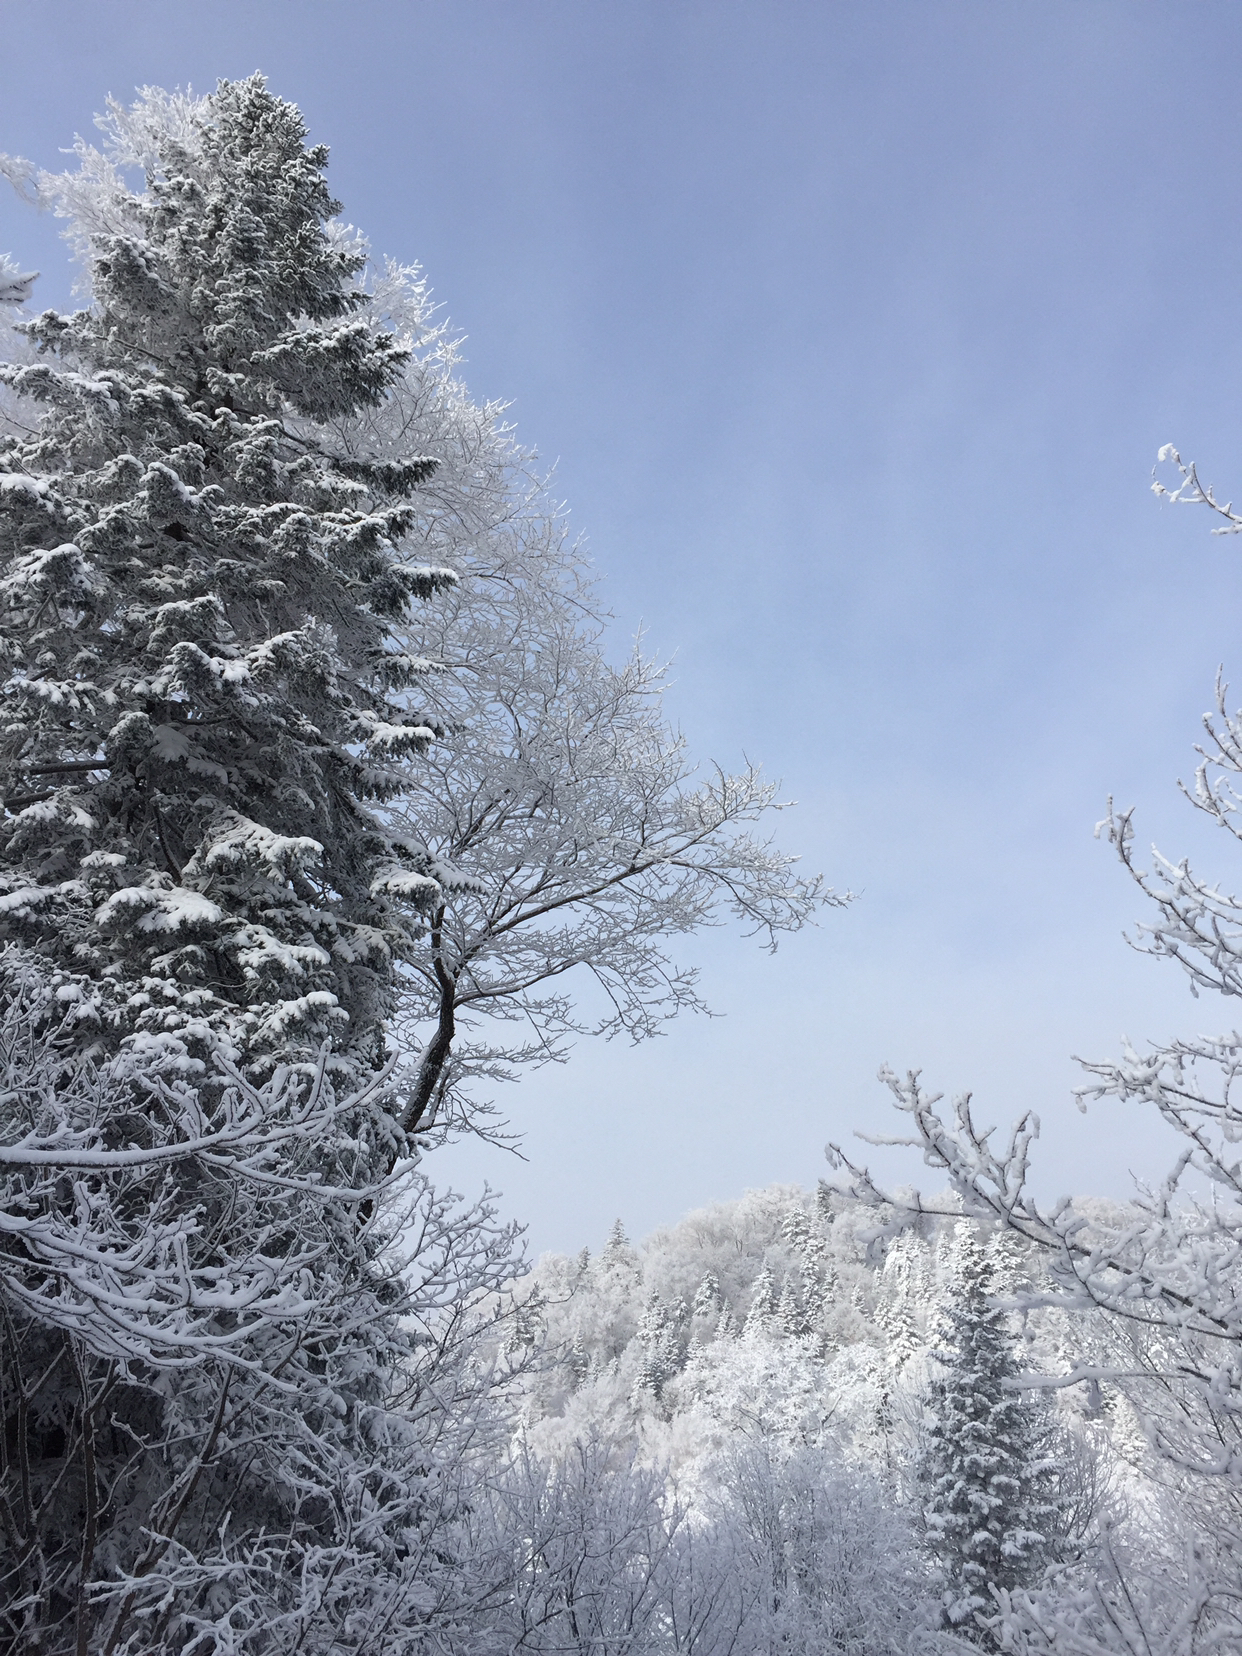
16,287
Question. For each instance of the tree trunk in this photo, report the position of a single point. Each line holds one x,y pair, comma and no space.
436,1052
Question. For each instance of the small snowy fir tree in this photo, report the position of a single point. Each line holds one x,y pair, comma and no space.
659,1332
762,1304
707,1297
201,594
989,1503
906,1283
791,1314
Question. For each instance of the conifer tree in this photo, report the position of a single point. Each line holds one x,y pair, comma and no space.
906,1284
726,1327
796,1229
989,1509
200,595
579,1360
791,1313
708,1298
660,1337
617,1250
762,1302
236,1419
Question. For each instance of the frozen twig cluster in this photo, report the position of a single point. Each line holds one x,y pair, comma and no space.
216,1349
169,1223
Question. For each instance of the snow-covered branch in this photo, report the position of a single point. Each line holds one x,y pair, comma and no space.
164,1222
564,819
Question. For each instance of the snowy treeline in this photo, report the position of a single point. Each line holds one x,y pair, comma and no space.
815,1346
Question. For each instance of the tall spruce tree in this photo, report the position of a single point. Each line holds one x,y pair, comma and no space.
232,1419
204,691
989,1502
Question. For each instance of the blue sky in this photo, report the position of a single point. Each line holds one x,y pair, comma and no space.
854,330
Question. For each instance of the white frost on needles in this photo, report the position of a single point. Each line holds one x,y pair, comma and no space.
16,286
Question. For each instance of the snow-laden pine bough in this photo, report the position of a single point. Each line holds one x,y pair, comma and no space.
247,1392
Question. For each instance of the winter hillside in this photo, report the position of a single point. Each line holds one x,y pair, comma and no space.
784,1318
808,1334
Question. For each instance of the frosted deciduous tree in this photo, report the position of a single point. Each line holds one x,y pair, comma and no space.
790,1554
825,1562
201,595
562,791
582,838
590,1535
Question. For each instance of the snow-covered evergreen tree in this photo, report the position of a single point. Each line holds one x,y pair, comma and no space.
989,1504
240,1368
762,1305
791,1315
202,594
707,1296
906,1291
659,1333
